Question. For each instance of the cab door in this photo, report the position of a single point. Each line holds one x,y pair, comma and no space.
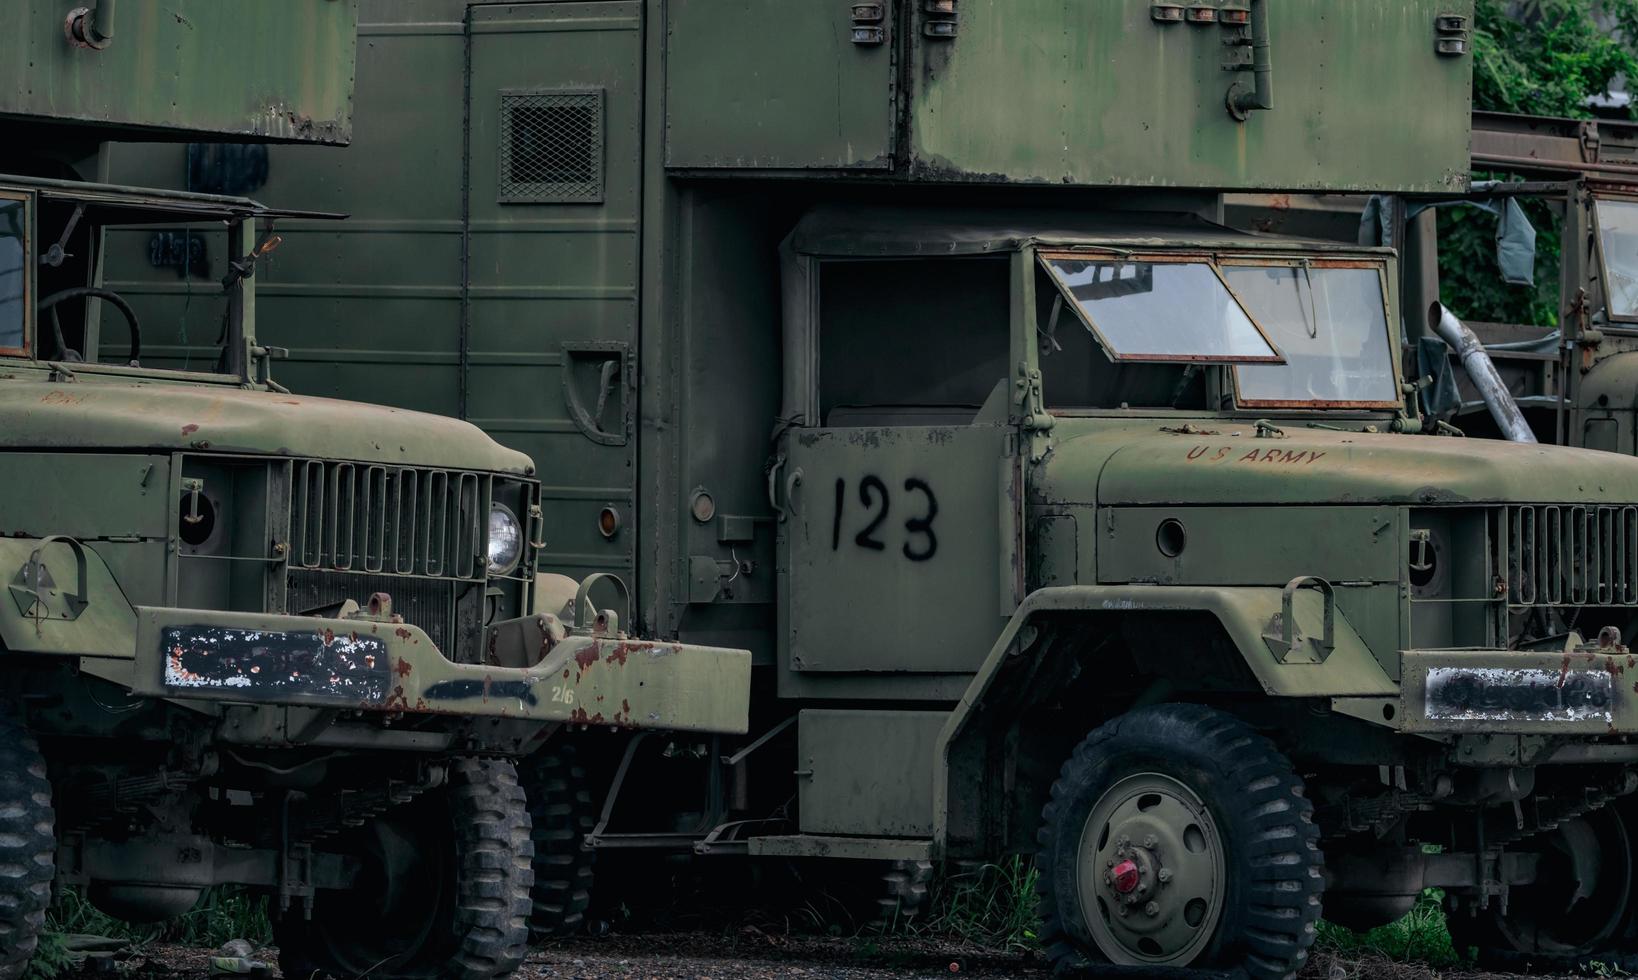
900,536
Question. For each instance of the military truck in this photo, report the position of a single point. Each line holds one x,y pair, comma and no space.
904,344
248,636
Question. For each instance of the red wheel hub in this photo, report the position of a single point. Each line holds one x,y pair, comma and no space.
1125,876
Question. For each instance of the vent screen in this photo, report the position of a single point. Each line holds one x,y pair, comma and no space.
551,147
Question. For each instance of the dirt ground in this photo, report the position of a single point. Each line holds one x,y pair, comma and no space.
752,955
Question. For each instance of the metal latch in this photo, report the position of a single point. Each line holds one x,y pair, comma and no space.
1450,35
867,23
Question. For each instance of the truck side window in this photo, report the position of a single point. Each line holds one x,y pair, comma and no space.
13,274
1076,373
911,341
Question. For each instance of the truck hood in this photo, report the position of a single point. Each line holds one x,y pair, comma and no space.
1233,465
137,416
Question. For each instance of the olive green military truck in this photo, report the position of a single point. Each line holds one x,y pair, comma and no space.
904,344
248,636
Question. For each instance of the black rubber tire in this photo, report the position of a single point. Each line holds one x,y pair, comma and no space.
561,814
1274,869
28,848
481,930
904,894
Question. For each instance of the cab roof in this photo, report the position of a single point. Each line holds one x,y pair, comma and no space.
839,231
117,204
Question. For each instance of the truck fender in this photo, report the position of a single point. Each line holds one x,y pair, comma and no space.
1282,634
61,598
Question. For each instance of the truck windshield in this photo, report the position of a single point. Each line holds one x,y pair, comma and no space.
1159,311
13,274
1331,323
1618,241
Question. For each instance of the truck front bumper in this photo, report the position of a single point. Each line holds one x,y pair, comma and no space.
373,666
1583,691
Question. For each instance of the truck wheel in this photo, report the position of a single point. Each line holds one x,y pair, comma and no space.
561,814
28,848
904,893
444,891
1176,837
1579,910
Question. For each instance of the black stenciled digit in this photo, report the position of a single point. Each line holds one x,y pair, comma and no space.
836,521
922,525
872,486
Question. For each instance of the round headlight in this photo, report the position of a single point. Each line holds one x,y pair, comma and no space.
505,539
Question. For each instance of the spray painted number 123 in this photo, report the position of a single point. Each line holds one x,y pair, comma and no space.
920,542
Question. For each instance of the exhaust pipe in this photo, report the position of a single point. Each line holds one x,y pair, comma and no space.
1482,372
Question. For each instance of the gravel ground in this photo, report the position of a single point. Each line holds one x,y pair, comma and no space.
753,955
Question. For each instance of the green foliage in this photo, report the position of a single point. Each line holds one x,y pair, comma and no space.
1420,937
993,907
1542,57
224,913
1470,280
1552,54
50,960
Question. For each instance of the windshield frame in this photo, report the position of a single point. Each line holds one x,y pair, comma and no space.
1044,256
1620,321
1328,262
29,262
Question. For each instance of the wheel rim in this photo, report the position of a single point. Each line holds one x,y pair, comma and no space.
1151,872
393,911
1559,915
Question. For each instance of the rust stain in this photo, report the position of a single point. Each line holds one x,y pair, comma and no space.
586,657
403,634
189,429
1564,671
329,637
619,654
402,668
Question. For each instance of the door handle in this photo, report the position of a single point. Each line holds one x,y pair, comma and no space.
773,487
792,481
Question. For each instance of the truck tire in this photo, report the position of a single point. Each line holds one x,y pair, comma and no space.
561,814
1560,924
28,848
444,895
1174,837
904,891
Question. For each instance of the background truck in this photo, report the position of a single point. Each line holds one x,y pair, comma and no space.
905,345
249,636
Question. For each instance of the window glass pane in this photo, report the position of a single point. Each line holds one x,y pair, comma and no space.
1618,235
1160,311
1332,326
13,273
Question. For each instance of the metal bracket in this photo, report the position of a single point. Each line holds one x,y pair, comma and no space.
613,371
33,588
1286,642
607,621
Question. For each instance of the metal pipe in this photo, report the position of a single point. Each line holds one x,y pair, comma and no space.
91,27
1261,95
1482,372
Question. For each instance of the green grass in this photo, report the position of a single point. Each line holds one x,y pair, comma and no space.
1420,937
222,914
993,906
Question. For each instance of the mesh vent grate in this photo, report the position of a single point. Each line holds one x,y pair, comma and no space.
551,147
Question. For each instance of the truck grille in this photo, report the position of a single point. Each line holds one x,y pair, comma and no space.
425,602
359,517
1557,554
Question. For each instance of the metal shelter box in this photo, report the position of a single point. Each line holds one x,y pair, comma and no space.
264,71
1113,92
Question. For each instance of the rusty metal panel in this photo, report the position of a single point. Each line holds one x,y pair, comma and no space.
272,71
779,84
1065,91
